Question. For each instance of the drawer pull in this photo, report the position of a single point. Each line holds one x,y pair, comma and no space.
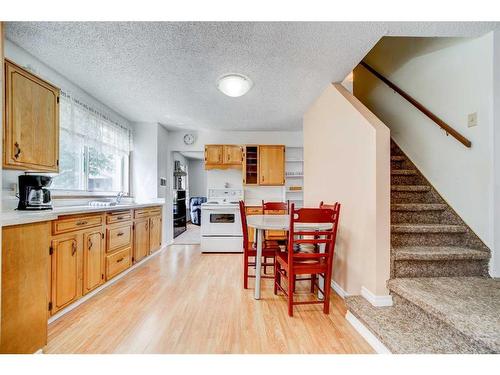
81,222
120,218
120,234
119,260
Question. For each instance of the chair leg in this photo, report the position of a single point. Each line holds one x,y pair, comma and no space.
276,277
245,271
326,302
291,287
313,281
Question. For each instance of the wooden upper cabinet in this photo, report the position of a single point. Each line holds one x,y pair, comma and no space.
272,165
223,156
93,260
214,154
31,132
66,281
233,155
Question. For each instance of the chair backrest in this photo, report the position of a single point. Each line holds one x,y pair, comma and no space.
325,214
336,208
275,206
244,227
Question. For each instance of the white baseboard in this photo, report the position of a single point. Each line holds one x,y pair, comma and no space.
338,289
377,301
370,338
86,297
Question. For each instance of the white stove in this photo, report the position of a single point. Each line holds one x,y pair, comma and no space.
221,222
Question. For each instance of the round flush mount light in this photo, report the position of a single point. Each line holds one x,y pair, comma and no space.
234,84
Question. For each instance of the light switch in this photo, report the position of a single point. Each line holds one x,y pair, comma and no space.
472,119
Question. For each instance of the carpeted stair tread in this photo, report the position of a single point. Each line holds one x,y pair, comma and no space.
438,253
404,172
470,305
404,332
398,158
427,228
418,207
418,188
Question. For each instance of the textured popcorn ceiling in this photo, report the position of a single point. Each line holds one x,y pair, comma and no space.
166,72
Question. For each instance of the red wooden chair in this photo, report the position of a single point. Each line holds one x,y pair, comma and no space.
292,263
269,249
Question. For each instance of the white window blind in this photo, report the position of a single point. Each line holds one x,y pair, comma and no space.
93,150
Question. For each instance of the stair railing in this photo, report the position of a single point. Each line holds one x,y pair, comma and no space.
443,125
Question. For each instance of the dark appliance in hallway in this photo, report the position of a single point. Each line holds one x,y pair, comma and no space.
179,212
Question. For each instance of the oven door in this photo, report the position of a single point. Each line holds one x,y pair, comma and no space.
220,222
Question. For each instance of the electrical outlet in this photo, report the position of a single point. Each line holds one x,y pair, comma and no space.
472,119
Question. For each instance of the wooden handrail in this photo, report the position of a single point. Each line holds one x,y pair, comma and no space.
443,125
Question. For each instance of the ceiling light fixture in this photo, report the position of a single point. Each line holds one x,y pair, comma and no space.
234,84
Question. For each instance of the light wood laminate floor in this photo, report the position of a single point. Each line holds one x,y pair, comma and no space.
182,301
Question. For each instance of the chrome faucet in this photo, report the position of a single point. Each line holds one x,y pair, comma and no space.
119,197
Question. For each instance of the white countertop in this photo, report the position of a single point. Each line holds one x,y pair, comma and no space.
14,217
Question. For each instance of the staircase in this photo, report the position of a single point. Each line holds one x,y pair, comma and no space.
444,299
428,238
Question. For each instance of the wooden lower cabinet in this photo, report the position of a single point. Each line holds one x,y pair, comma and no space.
118,262
141,239
24,294
66,271
154,233
93,260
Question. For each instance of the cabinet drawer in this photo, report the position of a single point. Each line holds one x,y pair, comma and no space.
143,212
146,212
254,210
72,223
118,216
155,211
118,262
119,236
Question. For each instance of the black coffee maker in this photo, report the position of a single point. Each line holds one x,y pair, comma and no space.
33,192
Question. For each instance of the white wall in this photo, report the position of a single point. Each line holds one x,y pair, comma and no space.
495,259
347,159
197,178
145,161
451,77
176,138
22,57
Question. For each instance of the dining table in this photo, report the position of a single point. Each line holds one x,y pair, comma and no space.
261,223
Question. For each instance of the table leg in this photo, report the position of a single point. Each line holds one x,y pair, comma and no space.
258,262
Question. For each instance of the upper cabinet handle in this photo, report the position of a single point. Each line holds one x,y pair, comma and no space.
18,150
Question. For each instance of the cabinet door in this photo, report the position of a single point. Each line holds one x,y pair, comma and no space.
93,260
272,165
141,239
213,154
154,233
232,155
25,258
66,281
32,122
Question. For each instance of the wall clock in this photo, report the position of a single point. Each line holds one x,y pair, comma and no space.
189,139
